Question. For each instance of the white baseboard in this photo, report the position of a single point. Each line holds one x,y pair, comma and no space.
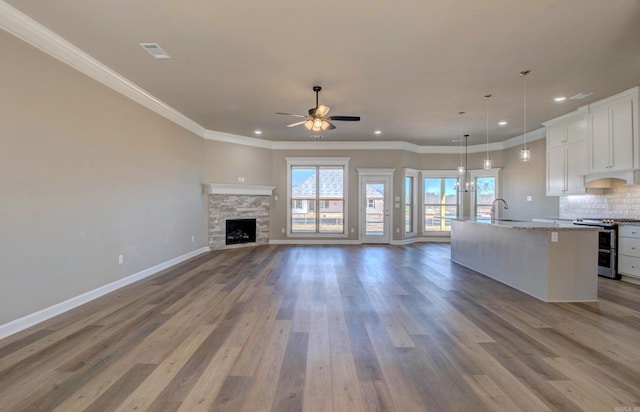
313,242
24,322
431,239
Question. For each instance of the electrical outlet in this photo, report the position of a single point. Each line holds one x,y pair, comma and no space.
554,236
397,230
193,238
282,230
120,259
529,198
352,230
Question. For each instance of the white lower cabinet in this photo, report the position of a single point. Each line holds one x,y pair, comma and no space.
629,252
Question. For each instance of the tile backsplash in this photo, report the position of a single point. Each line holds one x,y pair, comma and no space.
618,202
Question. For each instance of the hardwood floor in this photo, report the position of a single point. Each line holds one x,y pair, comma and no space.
356,328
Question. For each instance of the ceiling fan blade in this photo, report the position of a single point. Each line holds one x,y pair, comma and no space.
296,123
331,126
294,115
345,118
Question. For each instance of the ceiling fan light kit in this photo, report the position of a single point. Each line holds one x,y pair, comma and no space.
318,120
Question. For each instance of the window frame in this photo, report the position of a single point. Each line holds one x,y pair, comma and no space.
319,162
415,175
433,174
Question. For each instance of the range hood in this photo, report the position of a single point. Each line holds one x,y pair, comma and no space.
612,179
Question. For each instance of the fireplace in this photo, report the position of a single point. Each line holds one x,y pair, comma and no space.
239,203
240,231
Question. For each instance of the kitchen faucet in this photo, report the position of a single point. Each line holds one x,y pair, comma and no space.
493,208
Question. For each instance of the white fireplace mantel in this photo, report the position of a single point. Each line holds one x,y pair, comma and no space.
233,189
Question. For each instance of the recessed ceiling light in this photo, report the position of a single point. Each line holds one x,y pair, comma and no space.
378,132
257,131
559,99
155,50
581,95
502,123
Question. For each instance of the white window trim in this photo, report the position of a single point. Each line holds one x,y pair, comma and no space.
437,173
415,174
319,161
495,172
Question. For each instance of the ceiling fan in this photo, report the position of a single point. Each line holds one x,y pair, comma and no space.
317,119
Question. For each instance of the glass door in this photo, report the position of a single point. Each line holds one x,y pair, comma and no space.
375,206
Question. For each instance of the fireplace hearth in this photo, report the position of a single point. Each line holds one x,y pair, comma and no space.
240,231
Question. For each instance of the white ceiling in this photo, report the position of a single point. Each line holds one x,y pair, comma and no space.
407,67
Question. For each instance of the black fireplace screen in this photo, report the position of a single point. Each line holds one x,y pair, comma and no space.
240,231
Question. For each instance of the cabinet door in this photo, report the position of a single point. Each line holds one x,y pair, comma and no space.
576,131
556,171
599,159
575,165
556,136
621,118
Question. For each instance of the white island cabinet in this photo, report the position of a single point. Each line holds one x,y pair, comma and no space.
629,252
554,263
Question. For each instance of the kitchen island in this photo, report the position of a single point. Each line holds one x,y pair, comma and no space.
551,262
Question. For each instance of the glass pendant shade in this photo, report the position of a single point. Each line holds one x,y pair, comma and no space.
487,163
461,169
525,154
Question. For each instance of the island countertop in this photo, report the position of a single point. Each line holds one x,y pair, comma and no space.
525,225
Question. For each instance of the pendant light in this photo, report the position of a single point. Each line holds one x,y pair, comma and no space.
525,153
465,185
461,167
487,160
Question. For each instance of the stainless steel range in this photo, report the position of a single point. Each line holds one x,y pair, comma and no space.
607,243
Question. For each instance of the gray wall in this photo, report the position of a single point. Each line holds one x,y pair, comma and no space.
225,162
522,179
85,175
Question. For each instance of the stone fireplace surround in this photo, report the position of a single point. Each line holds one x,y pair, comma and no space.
229,201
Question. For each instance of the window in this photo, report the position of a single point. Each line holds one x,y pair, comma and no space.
408,204
440,200
316,191
486,183
410,200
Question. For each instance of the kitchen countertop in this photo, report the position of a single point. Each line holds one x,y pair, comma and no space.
542,226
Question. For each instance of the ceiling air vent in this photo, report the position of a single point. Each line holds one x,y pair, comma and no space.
581,95
155,50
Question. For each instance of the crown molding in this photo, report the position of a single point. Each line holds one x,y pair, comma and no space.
25,28
237,139
532,136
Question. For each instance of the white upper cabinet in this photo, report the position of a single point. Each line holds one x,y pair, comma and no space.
566,157
612,134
